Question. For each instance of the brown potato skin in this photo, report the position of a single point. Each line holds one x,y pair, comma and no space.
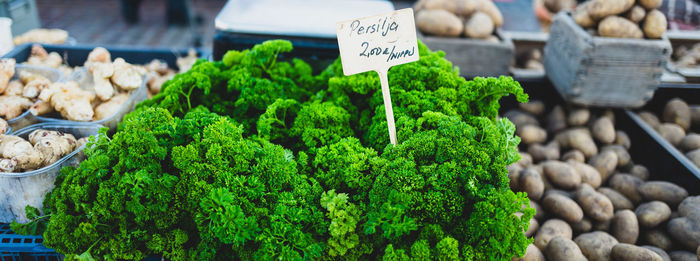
534,226
546,152
530,134
671,132
621,138
599,9
605,163
581,15
650,4
578,138
676,110
652,213
583,226
489,8
563,249
479,26
655,26
650,119
624,226
665,191
636,14
534,107
550,229
589,175
596,245
530,181
624,251
556,120
603,130
618,200
574,155
579,117
690,142
563,207
561,174
658,238
680,255
662,253
596,205
532,253
640,172
439,22
619,27
623,157
685,230
627,185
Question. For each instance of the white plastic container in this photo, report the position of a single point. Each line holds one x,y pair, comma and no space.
19,189
6,44
26,118
85,81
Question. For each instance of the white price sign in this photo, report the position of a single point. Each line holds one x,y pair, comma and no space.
376,43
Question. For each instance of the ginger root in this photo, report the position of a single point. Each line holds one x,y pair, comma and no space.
73,103
100,55
40,57
3,126
101,72
7,70
126,76
12,106
41,107
20,150
185,63
8,165
52,145
42,35
110,107
33,88
15,87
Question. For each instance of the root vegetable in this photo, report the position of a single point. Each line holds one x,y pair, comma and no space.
618,200
20,150
624,226
72,102
100,55
589,175
650,4
596,245
546,152
574,155
680,255
563,249
603,130
665,191
583,226
532,253
101,73
41,107
530,182
126,76
7,70
672,133
623,157
624,251
520,118
650,119
531,134
653,213
690,142
550,229
12,106
579,117
622,139
636,14
596,205
534,107
479,26
562,207
8,165
3,126
489,8
15,87
556,120
579,139
599,9
561,174
658,238
640,172
694,157
615,26
627,185
605,163
111,106
53,145
34,87
677,111
582,17
439,22
559,5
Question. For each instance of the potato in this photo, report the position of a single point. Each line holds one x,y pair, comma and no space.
439,22
558,5
514,175
579,117
561,174
665,191
489,8
636,14
653,213
640,172
690,142
618,27
690,207
695,114
664,256
650,119
627,185
623,157
573,155
650,4
589,175
680,255
579,139
622,139
556,120
671,132
546,152
694,157
540,214
618,200
459,7
550,229
676,111
530,134
534,226
658,238
625,252
534,107
596,245
624,226
563,207
596,205
583,226
686,231
564,193
655,26
602,226
531,182
525,159
599,9
603,130
581,15
478,26
520,118
605,163
563,249
532,253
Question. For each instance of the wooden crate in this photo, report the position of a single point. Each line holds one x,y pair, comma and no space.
474,57
601,71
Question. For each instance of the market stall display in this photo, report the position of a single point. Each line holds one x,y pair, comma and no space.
622,19
591,194
603,71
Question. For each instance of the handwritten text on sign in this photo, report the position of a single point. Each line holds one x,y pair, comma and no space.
377,42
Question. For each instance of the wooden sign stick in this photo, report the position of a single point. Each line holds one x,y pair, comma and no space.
376,43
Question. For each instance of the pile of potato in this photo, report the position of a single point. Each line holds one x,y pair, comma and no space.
530,60
622,18
678,125
592,201
42,148
42,35
684,57
454,18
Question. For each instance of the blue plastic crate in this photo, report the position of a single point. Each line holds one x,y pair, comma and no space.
14,243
